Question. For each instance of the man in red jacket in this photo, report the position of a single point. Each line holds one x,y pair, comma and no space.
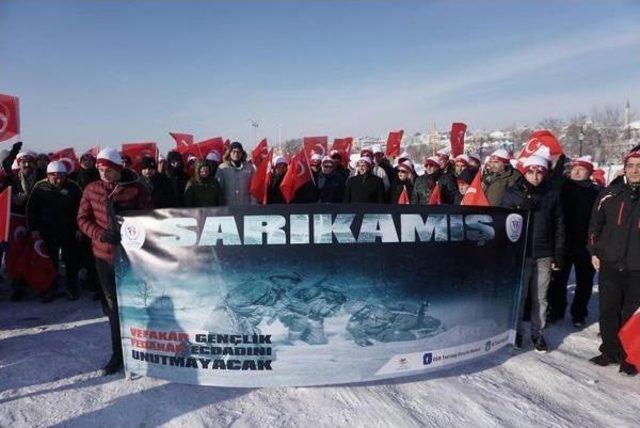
117,190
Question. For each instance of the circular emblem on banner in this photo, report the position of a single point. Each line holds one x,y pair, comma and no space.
513,227
4,117
132,234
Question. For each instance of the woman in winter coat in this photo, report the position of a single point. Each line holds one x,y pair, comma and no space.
403,180
202,189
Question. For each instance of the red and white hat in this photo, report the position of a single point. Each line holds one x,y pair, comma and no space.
26,155
463,158
500,155
278,160
407,165
366,159
584,161
535,163
327,159
316,159
110,158
432,161
634,154
56,167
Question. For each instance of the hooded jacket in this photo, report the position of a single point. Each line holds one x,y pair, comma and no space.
202,192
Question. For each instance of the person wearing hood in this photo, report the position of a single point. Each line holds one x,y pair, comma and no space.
51,216
577,195
614,244
463,182
117,190
87,173
176,173
202,190
159,185
364,187
234,175
274,194
501,176
403,181
424,184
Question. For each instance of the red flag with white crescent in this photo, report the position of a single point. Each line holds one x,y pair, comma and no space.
205,147
41,271
259,152
137,151
475,195
68,158
393,143
315,146
296,176
343,146
260,180
93,151
18,234
182,140
542,140
9,117
457,138
630,339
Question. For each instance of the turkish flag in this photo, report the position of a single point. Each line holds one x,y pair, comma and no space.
475,195
315,145
296,176
137,151
5,214
343,145
205,147
435,198
404,197
260,180
93,151
68,158
598,177
259,152
18,234
9,117
182,140
457,138
41,272
393,143
630,338
542,142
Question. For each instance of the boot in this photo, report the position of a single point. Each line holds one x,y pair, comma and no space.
539,344
604,360
628,369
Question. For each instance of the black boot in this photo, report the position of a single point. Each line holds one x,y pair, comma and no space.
628,369
113,366
604,360
539,344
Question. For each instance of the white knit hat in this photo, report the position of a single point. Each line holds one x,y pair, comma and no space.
366,159
110,157
278,160
463,158
56,167
534,162
501,154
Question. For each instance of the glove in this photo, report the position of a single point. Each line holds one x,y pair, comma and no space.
110,237
15,149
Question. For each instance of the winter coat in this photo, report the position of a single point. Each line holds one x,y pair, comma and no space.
422,189
497,183
274,194
235,182
396,190
52,211
546,236
202,192
21,186
161,190
614,231
331,187
178,179
306,194
99,204
366,188
577,199
448,187
85,176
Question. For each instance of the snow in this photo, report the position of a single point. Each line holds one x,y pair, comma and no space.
50,356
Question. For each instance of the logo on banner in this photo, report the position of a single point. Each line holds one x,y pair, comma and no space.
133,235
427,358
5,115
514,227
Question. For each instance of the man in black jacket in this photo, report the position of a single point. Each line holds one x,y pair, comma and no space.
88,173
545,242
330,182
614,242
159,185
176,173
424,184
364,187
51,211
577,195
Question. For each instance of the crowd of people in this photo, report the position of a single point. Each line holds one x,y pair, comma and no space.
575,222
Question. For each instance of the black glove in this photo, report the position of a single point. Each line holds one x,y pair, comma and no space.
110,237
15,149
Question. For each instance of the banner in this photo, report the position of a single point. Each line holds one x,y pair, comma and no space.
456,138
312,294
9,117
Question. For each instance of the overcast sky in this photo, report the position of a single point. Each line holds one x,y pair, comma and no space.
107,72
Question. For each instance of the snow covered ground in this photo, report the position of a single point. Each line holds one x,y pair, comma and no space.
50,356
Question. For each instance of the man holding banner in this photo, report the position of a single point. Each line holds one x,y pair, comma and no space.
116,191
